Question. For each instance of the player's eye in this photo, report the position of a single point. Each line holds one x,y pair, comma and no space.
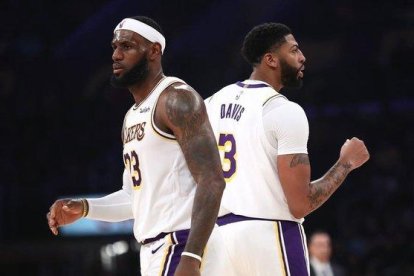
126,46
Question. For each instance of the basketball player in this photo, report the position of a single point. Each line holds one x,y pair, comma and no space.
173,181
262,137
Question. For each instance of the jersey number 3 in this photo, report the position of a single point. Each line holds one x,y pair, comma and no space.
227,148
132,164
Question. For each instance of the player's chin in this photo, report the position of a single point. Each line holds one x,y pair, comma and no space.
117,72
117,78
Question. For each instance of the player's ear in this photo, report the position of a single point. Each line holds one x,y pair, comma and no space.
154,51
271,60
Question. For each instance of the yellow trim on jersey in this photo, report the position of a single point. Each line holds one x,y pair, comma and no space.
162,135
279,247
136,106
155,128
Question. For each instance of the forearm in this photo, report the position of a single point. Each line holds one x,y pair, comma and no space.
112,208
205,209
186,116
304,196
320,190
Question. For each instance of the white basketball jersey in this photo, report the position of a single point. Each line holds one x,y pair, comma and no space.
253,187
162,185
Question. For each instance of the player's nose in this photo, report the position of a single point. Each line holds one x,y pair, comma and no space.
302,57
116,55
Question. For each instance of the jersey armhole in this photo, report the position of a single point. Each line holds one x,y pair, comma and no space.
154,126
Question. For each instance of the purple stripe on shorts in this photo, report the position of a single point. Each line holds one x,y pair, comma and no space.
294,248
179,242
256,85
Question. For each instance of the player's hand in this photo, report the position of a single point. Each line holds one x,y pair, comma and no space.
188,267
62,212
354,152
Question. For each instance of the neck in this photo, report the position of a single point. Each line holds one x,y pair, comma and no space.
269,77
140,91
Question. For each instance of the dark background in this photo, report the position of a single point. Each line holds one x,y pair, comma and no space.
61,120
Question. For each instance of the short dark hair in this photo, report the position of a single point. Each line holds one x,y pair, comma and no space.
149,21
263,38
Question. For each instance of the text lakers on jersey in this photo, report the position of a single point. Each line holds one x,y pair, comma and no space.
134,132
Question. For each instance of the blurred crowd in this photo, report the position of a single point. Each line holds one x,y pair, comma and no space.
61,120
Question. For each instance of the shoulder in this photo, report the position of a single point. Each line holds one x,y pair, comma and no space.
179,104
171,86
287,120
280,104
181,96
179,87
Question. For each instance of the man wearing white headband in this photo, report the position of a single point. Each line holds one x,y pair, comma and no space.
146,31
173,181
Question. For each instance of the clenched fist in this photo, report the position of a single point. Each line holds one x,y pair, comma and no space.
354,152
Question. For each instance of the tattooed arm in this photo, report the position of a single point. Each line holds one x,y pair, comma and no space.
181,110
304,196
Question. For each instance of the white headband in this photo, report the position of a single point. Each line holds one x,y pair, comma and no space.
142,29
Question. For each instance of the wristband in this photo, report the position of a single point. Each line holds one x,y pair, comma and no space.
85,207
192,255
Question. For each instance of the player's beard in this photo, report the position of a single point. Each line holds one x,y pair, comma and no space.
136,75
289,75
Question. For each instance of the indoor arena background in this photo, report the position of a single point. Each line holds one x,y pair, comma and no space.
61,120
